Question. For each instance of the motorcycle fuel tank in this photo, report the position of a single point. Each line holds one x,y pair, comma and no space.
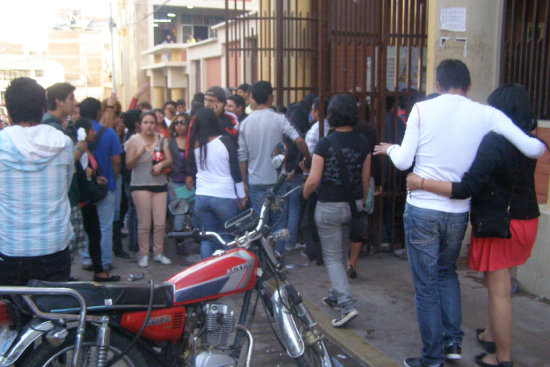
232,272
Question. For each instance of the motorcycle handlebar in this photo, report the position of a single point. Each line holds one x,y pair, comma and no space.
256,232
280,181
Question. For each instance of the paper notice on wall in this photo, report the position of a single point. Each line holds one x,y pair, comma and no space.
453,19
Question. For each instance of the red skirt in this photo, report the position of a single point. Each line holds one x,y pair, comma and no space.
492,253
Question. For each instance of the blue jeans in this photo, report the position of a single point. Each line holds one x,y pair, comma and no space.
276,219
106,213
212,213
433,239
293,210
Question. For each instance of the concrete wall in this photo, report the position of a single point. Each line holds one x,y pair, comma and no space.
480,49
534,275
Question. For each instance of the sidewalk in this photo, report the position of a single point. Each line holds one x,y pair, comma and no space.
386,331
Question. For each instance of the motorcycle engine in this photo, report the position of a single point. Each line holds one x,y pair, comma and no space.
219,323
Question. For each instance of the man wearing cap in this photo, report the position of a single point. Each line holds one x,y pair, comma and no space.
214,98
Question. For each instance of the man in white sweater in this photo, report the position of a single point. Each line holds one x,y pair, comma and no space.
442,137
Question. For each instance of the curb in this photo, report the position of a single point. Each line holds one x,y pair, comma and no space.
358,348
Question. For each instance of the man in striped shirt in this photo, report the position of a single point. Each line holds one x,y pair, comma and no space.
36,167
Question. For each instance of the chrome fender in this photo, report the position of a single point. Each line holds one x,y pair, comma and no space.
32,331
290,336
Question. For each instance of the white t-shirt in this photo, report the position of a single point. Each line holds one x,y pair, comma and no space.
442,137
214,176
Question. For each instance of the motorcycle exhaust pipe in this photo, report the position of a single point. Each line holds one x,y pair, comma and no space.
290,336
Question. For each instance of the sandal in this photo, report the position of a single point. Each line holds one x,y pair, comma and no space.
490,347
480,362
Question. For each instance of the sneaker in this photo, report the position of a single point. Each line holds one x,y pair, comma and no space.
296,246
331,302
160,258
453,352
345,318
417,362
143,261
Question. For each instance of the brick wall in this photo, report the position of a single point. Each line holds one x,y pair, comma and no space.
543,168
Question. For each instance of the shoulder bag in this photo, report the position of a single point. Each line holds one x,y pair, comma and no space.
497,225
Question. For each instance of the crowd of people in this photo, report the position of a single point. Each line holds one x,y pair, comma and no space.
71,175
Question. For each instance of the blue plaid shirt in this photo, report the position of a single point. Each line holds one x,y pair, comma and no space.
34,206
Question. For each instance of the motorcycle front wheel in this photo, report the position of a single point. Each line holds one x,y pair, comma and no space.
315,352
45,355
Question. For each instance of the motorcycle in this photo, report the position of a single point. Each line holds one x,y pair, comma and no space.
180,322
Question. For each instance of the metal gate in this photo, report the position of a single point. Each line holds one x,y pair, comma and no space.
525,47
371,49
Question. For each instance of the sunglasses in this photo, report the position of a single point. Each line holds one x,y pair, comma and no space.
181,122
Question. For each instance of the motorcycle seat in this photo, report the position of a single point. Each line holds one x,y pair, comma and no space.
101,297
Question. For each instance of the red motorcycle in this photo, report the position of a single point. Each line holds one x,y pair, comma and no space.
180,322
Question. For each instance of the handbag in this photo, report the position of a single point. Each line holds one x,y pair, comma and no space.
497,225
358,227
90,191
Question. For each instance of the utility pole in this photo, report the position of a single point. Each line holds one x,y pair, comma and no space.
112,25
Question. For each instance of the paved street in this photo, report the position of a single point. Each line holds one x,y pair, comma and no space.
267,350
386,330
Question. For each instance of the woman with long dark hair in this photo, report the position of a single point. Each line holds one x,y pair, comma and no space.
183,168
219,188
500,177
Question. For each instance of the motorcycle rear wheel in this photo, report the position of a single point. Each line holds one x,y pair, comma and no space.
48,356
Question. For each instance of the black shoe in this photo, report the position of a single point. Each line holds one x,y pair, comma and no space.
453,352
417,362
479,362
489,347
110,278
122,254
332,303
352,273
87,267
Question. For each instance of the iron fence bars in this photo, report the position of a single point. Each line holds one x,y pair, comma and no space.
372,49
524,52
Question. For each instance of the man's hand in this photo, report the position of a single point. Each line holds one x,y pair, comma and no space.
101,180
241,202
382,149
218,109
83,145
142,88
246,193
112,100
